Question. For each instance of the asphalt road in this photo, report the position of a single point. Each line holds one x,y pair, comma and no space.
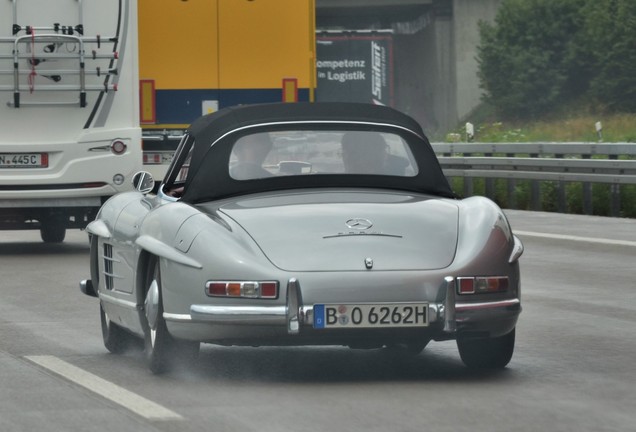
574,367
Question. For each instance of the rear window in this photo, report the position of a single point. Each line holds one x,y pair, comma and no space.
306,152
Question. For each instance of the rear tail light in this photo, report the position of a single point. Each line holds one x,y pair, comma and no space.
242,289
151,158
482,285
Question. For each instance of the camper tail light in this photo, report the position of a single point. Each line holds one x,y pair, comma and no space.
152,158
118,147
482,285
244,289
157,158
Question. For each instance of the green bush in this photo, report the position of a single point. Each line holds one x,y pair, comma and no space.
526,59
609,33
549,196
541,55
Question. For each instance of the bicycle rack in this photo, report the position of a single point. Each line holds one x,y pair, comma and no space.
36,48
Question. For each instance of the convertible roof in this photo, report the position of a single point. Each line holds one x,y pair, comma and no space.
215,125
207,130
211,127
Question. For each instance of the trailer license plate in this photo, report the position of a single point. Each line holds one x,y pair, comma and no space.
24,160
335,316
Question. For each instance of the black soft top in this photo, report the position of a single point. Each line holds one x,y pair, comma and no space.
214,134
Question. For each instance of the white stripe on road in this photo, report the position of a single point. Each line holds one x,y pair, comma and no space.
576,238
106,389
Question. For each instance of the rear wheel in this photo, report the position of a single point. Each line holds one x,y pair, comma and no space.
52,232
487,353
163,352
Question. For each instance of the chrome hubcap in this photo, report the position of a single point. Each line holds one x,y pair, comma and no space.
151,305
106,320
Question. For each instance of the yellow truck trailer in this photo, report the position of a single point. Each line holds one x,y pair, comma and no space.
198,56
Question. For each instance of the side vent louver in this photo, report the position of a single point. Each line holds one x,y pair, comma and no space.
108,266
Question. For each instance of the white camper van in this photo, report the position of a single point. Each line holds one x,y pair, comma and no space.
69,110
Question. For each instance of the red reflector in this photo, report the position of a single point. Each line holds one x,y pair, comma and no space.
466,285
44,157
217,288
269,289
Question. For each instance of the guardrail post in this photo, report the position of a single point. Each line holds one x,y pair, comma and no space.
512,185
535,191
615,195
468,182
490,183
561,198
587,193
615,200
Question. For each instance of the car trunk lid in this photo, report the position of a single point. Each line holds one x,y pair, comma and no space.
350,231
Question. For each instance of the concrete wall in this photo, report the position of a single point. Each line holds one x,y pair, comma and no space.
435,66
467,14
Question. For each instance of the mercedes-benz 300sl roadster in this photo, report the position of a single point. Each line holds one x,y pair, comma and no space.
304,224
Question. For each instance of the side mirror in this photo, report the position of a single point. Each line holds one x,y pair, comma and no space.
143,182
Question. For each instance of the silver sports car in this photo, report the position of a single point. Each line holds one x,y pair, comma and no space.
304,224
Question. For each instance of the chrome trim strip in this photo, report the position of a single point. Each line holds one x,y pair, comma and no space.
99,228
449,305
113,275
317,122
462,307
360,234
293,302
435,312
117,301
517,250
304,316
177,317
240,314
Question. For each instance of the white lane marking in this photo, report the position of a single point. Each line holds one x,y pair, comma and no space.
576,238
129,400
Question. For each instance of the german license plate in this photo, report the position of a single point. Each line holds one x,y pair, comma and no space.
24,160
337,316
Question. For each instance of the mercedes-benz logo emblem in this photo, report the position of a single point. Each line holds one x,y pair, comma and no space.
359,224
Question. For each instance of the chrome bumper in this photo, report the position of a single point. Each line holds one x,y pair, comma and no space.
294,314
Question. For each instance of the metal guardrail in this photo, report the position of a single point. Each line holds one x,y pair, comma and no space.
574,162
586,163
